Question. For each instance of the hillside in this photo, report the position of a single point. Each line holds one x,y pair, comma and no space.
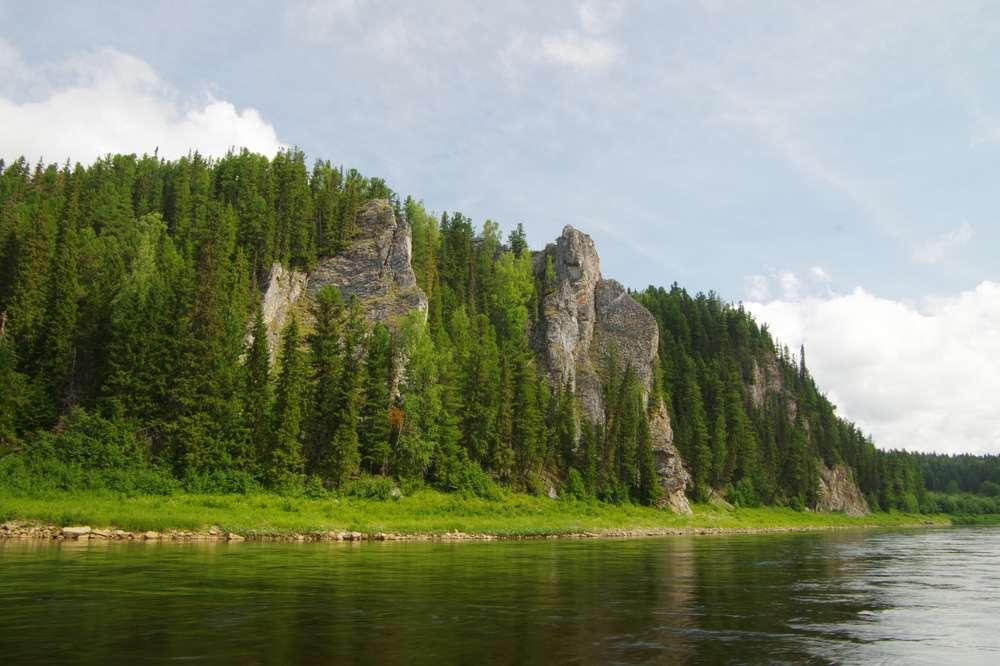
247,323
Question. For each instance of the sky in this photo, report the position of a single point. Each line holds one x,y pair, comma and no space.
833,166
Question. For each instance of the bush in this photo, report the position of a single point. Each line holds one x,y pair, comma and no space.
575,488
461,475
370,488
743,494
34,475
222,482
92,442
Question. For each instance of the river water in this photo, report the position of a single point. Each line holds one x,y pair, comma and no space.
923,596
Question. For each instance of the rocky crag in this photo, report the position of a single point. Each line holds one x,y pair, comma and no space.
838,491
583,318
375,269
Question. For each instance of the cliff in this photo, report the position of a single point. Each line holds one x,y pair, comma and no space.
375,268
584,317
838,491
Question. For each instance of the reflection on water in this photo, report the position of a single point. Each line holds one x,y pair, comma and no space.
853,597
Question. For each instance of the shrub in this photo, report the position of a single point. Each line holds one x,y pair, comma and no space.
369,487
743,494
222,482
575,487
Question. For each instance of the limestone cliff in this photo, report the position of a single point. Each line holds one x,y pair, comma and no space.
375,268
284,289
583,317
837,488
839,492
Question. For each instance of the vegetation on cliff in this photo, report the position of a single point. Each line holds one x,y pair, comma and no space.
128,288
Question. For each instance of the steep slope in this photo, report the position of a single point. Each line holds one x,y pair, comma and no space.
585,318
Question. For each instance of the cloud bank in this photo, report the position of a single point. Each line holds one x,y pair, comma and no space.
107,101
921,378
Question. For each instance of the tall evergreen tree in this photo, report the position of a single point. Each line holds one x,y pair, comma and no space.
258,395
286,462
374,425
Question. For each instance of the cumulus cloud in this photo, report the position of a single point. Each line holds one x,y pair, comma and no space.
922,378
943,247
107,101
789,285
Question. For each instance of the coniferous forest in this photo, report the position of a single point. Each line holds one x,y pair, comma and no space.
134,358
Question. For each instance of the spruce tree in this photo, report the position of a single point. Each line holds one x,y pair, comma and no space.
258,395
327,362
374,418
57,342
286,462
345,447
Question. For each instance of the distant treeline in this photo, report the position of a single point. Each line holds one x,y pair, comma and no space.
127,289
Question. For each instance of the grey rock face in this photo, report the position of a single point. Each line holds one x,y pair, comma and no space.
584,318
838,491
375,268
673,475
284,289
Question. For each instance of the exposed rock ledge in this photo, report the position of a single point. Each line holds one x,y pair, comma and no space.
375,268
584,318
838,491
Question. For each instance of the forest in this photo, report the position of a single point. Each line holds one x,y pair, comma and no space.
134,358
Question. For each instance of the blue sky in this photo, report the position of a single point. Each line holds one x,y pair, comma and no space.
802,157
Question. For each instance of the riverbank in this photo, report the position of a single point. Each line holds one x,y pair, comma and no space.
424,515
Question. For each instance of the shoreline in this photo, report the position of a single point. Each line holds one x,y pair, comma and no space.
26,530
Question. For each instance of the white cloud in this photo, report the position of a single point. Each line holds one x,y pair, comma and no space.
316,20
578,51
757,287
107,101
598,16
938,249
917,378
819,274
813,283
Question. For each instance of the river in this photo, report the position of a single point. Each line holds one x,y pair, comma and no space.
896,596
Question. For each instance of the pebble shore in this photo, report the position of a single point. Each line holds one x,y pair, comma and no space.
28,530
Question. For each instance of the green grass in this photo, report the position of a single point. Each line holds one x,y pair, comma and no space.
424,512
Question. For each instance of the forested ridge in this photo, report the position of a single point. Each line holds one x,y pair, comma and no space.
134,358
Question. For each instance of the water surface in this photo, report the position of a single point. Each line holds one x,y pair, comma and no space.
923,596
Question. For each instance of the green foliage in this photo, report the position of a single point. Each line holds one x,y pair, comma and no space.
378,488
286,460
128,289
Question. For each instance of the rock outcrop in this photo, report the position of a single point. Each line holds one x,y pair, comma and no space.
838,491
284,289
669,466
584,318
375,268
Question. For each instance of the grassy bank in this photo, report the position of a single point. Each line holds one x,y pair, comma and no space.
424,512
